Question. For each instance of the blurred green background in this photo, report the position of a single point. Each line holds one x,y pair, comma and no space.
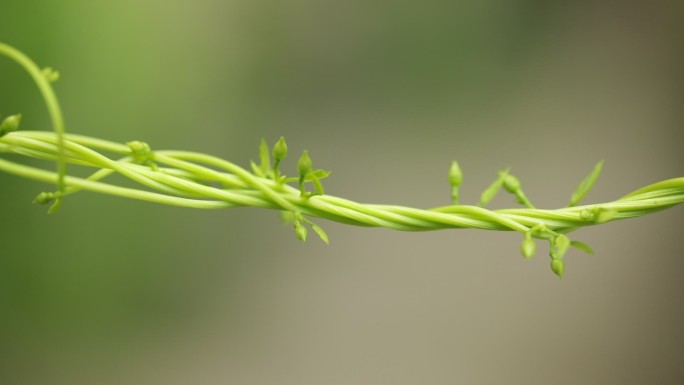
384,94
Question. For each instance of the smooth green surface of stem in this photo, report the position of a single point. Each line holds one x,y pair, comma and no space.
183,175
51,102
197,180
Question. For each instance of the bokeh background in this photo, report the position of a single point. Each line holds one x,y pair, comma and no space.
384,94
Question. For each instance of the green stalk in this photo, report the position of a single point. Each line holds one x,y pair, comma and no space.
48,93
197,180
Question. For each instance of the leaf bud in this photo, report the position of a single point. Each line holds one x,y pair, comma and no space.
50,74
10,124
511,184
528,247
300,231
562,243
141,151
455,174
304,165
280,150
558,267
139,147
44,198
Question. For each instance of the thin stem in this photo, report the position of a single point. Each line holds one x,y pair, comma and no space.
197,180
183,176
51,102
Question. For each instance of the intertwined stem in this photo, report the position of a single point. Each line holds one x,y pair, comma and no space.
184,179
198,180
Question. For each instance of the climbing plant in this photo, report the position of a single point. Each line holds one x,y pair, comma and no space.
198,180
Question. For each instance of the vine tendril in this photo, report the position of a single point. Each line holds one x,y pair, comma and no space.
198,180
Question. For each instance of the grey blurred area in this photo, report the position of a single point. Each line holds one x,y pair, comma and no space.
384,94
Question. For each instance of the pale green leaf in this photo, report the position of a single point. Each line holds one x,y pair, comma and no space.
582,247
585,185
320,232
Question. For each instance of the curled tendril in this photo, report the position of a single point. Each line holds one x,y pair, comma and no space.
197,180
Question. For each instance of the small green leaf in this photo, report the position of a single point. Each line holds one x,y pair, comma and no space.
317,174
264,157
320,232
316,228
257,170
315,177
585,185
55,206
490,192
582,247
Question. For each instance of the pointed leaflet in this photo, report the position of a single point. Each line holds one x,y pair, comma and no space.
317,174
585,185
264,157
320,232
490,192
317,229
582,247
257,170
315,177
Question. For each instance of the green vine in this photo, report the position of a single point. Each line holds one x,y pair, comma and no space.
197,180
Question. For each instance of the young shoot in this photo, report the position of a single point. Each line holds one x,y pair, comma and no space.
203,181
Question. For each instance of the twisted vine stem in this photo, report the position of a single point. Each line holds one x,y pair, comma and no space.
197,180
